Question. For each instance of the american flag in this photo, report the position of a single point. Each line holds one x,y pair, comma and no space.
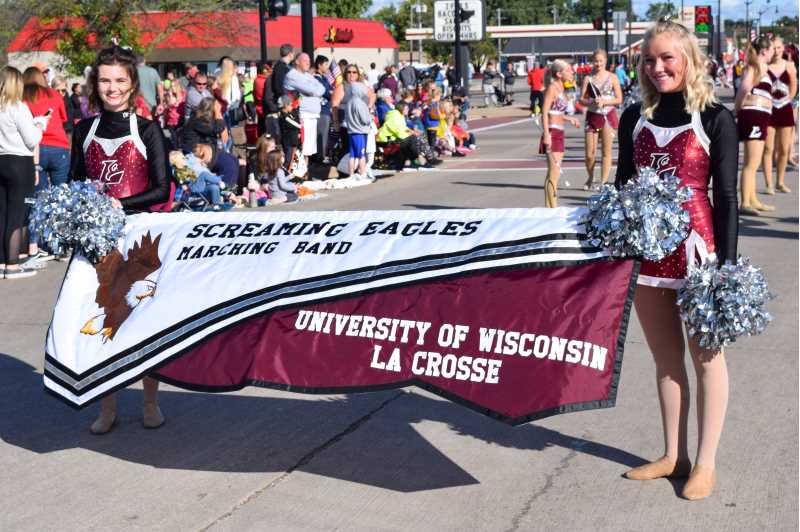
333,72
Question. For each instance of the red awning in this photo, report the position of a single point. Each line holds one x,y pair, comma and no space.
224,29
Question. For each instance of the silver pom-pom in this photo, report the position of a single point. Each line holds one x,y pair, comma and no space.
645,218
720,304
77,215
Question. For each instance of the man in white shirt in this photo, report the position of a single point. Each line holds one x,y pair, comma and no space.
372,76
309,90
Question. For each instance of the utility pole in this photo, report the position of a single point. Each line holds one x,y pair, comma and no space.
307,27
606,8
262,30
720,31
499,42
457,27
747,18
554,10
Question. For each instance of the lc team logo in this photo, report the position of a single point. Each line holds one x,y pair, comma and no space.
123,285
111,173
660,162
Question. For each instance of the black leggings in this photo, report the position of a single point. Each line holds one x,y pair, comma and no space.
17,176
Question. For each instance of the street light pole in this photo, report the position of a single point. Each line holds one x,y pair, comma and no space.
457,27
262,30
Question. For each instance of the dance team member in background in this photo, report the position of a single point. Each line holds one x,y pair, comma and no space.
553,118
127,154
781,124
601,93
753,115
679,128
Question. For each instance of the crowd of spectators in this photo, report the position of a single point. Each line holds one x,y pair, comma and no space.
298,118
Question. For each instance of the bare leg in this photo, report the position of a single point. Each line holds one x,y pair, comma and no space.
753,151
362,166
351,165
663,331
591,149
784,145
608,143
551,181
766,159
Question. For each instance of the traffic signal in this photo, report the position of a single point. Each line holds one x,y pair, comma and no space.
702,19
277,8
464,14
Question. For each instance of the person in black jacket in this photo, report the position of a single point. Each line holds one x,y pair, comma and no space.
280,70
205,126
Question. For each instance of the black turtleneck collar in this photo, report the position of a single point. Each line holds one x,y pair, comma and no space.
671,110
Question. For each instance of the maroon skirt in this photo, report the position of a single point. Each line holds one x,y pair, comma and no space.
782,117
597,121
752,124
556,142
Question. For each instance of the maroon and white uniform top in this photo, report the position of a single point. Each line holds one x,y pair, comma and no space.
605,91
119,163
558,108
762,88
780,90
684,152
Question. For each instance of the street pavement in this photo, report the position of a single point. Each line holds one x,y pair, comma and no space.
404,459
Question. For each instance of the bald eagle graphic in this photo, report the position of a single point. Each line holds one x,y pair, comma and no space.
123,285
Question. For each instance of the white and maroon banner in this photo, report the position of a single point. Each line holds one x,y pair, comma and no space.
507,311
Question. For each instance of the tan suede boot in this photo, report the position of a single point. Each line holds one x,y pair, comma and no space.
700,484
661,468
152,418
104,422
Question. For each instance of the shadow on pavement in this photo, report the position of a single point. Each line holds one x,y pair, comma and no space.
501,185
424,206
758,228
235,433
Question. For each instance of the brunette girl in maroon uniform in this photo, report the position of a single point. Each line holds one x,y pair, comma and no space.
553,117
680,129
127,155
601,92
753,114
781,124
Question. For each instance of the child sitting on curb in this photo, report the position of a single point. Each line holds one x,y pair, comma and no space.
274,177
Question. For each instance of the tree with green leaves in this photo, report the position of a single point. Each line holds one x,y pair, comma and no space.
659,10
342,8
82,27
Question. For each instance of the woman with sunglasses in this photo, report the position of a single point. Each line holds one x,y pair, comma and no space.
357,99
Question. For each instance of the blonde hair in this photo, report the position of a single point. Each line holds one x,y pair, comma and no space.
10,86
227,70
698,90
555,68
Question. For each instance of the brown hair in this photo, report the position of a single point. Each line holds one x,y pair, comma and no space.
35,85
262,150
274,162
114,55
204,110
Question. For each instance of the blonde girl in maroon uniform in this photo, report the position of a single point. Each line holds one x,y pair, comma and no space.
601,92
781,123
553,117
680,129
753,114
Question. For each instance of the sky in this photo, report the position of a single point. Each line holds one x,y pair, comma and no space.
733,9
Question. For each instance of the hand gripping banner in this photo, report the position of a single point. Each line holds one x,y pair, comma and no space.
507,311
